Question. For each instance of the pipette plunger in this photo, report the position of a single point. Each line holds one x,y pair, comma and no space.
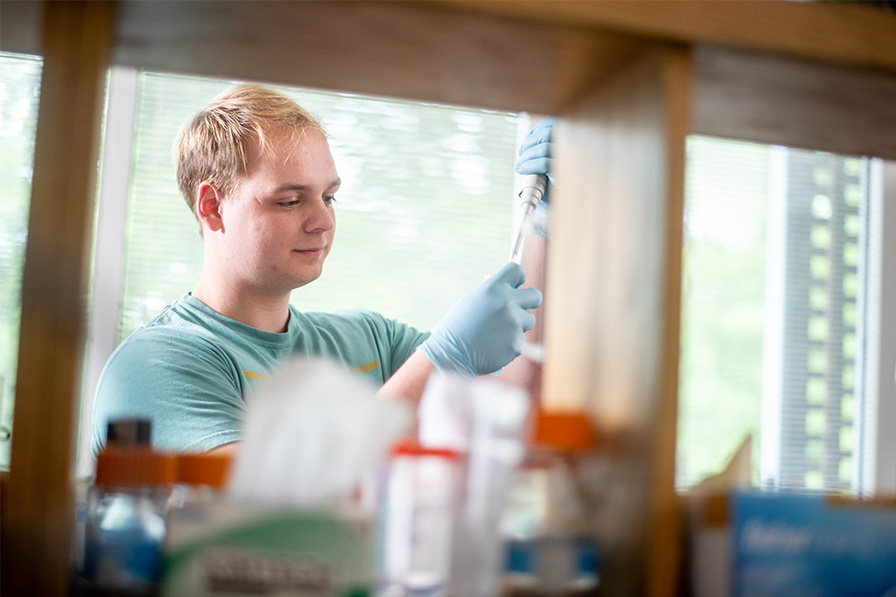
530,195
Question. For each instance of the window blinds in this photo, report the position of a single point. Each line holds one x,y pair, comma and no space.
423,214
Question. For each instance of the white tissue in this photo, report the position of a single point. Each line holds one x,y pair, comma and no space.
311,434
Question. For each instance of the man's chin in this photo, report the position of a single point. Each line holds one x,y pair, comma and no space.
305,280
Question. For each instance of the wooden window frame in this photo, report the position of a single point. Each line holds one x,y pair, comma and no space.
628,81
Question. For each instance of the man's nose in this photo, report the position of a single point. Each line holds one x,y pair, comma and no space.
321,217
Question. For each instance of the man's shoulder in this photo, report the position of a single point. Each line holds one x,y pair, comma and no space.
178,323
184,312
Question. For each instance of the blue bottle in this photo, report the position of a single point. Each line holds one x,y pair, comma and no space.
126,520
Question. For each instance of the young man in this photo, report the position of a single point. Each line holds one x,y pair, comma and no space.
258,175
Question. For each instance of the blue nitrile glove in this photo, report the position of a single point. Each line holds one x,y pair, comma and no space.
484,330
535,158
535,151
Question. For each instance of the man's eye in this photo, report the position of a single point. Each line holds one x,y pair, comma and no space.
330,200
292,203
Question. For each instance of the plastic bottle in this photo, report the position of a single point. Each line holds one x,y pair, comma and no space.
126,518
549,549
417,520
200,478
198,491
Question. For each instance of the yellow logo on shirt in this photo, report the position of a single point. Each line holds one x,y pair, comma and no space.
366,367
357,369
253,375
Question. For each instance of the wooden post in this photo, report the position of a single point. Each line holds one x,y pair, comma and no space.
613,317
37,501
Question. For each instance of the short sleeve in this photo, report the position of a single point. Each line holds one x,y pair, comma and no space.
185,385
405,340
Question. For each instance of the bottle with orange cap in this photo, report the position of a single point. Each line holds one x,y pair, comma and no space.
201,478
126,515
549,549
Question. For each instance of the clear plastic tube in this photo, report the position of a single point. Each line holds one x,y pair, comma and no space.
516,254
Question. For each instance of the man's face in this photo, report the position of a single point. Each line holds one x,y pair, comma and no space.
278,225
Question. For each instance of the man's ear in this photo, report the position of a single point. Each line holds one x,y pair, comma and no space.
208,206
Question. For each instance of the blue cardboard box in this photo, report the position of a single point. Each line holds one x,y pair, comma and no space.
811,545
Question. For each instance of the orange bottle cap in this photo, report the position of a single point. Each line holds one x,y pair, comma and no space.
570,431
413,448
203,469
132,466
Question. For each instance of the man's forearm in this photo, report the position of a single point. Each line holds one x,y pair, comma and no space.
409,381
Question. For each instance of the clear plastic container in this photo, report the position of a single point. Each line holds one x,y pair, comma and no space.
549,548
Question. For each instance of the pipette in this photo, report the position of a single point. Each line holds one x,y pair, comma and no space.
533,190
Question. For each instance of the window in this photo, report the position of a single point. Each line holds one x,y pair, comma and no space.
818,294
423,214
19,92
777,261
775,278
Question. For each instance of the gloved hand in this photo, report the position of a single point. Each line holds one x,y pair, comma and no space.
535,152
535,158
484,330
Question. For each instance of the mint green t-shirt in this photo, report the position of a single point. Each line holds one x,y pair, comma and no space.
189,369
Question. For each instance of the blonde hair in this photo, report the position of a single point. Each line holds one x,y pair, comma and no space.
215,145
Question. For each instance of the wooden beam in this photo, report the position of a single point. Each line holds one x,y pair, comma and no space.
836,32
398,49
846,33
612,319
38,508
786,101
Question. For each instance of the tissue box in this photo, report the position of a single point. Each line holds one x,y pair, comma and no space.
225,549
791,544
